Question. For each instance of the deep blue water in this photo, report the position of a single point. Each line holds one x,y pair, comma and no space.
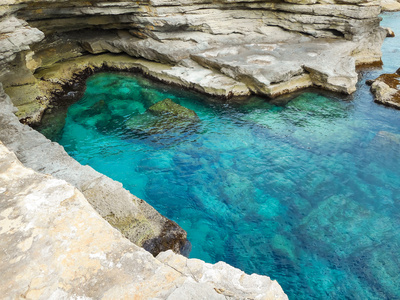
305,192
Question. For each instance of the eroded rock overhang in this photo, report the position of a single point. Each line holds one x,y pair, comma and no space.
224,48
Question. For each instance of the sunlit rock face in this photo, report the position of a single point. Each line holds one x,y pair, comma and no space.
54,245
271,47
137,220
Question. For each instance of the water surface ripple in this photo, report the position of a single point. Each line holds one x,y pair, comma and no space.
307,192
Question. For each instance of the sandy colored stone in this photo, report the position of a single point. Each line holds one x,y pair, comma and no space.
107,196
54,245
386,90
390,5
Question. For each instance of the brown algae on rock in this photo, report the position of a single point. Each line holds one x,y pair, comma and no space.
386,89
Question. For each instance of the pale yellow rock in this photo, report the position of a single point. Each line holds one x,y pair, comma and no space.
390,5
53,245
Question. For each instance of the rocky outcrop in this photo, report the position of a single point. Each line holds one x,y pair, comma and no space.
390,5
264,47
136,219
55,246
386,89
224,48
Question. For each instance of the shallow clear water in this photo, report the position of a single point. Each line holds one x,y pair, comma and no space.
305,192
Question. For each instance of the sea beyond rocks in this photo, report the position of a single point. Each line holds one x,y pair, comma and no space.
225,48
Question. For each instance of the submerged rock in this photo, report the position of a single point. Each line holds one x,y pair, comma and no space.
170,109
165,122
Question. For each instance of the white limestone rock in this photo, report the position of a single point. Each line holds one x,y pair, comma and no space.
107,196
54,245
225,279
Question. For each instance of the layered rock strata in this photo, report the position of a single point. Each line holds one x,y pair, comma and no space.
225,48
264,47
55,246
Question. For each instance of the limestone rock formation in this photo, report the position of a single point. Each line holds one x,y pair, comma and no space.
386,89
225,48
390,5
136,219
55,246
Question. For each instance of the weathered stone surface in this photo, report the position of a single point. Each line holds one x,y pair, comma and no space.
390,5
108,197
280,46
227,281
386,90
225,48
54,245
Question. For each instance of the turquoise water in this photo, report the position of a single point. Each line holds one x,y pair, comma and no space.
304,190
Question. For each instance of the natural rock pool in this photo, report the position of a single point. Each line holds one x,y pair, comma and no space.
305,191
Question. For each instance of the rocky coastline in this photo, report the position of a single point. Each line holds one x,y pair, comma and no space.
386,89
277,48
225,48
56,246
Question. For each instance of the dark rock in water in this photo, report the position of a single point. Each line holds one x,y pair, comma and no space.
162,242
169,108
141,123
369,82
389,32
165,118
98,108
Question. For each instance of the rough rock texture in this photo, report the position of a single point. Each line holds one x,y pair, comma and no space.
136,219
55,246
386,89
267,47
225,48
51,81
390,5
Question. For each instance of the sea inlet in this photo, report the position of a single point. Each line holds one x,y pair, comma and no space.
304,189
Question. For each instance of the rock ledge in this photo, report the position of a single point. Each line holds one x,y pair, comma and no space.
55,246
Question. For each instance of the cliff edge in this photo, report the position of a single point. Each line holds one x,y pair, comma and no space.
54,245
